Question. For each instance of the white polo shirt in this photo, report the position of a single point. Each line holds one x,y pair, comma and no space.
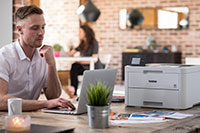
25,78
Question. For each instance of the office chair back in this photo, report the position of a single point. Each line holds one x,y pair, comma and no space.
105,59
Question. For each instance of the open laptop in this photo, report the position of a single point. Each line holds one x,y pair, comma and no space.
106,76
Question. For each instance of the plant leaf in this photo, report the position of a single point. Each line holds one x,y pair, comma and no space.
99,94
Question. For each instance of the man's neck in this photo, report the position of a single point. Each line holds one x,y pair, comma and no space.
28,50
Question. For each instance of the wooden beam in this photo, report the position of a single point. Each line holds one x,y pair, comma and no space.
82,2
35,2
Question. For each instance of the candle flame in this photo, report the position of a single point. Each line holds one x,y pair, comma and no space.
17,124
17,121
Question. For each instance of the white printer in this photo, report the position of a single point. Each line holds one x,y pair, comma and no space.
162,86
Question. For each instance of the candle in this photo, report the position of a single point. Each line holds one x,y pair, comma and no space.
17,123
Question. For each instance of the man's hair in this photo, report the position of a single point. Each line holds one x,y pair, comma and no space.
25,11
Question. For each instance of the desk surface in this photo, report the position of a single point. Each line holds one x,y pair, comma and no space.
80,122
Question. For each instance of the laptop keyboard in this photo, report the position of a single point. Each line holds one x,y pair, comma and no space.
60,110
64,110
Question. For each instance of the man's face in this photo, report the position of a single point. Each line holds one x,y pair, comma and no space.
32,30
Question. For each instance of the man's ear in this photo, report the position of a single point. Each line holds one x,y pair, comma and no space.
19,29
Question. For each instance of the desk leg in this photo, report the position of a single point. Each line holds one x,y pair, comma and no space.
91,65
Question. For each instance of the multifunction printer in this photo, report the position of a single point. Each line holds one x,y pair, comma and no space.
162,86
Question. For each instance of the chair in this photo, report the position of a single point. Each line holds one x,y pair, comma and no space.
192,61
105,59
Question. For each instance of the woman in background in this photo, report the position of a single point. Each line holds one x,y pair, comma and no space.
88,47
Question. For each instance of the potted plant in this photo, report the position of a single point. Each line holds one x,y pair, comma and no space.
57,48
98,107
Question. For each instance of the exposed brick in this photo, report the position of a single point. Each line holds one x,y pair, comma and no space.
17,2
63,27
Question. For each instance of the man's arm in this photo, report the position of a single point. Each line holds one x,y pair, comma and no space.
53,89
26,104
30,105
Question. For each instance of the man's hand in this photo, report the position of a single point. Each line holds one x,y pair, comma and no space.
47,52
59,102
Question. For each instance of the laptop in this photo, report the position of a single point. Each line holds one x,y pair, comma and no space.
106,76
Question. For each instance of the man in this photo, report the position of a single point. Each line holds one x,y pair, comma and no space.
25,68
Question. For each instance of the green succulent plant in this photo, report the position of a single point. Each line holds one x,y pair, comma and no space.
99,94
57,47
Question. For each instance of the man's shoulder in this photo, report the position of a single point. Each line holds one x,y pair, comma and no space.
8,47
8,50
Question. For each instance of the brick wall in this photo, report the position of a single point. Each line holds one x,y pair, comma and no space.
113,40
17,4
62,22
63,26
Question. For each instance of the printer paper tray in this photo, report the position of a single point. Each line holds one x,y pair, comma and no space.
153,98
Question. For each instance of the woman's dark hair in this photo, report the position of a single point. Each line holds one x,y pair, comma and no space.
90,38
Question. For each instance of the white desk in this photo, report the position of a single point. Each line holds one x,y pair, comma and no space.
192,60
74,59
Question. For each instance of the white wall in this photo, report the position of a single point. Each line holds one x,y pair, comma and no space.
6,30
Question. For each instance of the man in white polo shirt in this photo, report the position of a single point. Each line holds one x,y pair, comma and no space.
26,69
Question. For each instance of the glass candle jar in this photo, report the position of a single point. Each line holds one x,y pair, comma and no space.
17,123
